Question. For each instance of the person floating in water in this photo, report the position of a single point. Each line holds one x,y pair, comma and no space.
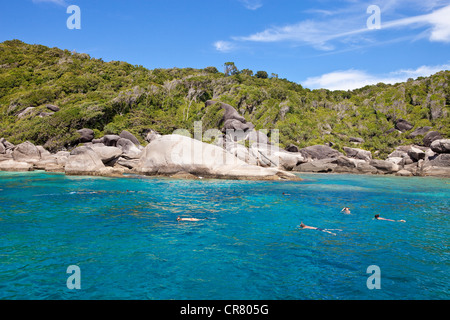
303,226
346,210
377,216
189,219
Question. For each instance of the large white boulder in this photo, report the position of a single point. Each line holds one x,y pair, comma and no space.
83,161
26,152
171,154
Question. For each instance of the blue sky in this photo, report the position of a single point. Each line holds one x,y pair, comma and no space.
318,44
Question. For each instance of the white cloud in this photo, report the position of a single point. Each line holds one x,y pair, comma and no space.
224,46
320,33
440,20
252,4
310,32
352,79
339,80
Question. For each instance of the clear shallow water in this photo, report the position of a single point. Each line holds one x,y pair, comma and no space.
129,245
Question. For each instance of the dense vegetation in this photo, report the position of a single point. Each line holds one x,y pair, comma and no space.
112,96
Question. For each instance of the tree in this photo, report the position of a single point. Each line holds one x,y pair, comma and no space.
262,74
230,69
247,72
211,70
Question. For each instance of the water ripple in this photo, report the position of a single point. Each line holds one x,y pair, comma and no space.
124,236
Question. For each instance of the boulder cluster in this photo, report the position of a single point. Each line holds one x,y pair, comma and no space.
240,138
410,160
238,152
114,155
111,155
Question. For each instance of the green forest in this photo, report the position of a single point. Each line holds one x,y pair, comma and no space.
109,97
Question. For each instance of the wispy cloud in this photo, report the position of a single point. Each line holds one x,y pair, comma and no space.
58,2
252,4
316,34
224,46
326,34
352,79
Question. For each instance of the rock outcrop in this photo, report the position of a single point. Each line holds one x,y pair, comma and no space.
430,137
26,152
319,152
230,112
129,149
441,146
52,107
239,151
83,161
172,154
105,153
110,140
12,165
403,125
86,135
358,153
128,135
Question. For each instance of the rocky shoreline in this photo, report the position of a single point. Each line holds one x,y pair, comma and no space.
238,152
408,160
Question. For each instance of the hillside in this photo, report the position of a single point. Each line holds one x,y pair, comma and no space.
47,94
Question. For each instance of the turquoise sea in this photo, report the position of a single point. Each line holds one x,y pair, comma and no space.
123,235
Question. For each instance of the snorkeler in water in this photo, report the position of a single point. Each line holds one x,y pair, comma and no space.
189,219
377,217
346,210
303,226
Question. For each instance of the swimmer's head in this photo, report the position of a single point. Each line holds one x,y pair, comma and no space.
302,225
377,216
